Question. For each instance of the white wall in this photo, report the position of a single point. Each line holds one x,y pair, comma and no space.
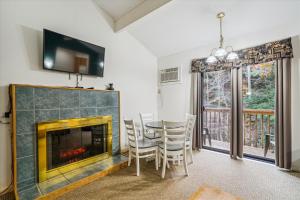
131,67
174,100
295,104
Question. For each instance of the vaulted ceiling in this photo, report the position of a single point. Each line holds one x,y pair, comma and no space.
185,24
118,8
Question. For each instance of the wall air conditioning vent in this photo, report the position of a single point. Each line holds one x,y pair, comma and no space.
170,75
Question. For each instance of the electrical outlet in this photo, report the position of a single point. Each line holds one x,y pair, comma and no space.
6,114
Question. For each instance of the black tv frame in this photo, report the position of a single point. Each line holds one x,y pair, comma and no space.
45,68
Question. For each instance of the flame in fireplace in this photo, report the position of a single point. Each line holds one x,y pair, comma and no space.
72,153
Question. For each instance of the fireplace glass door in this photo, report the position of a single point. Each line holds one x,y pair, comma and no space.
71,145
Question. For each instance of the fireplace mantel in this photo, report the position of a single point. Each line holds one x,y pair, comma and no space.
32,104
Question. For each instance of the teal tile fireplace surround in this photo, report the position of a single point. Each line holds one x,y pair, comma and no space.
35,104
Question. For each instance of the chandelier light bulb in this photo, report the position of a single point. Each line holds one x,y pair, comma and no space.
232,56
211,59
220,53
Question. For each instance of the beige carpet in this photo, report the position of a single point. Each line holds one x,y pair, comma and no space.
246,179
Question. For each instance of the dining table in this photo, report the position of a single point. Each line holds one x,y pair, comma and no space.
157,128
158,125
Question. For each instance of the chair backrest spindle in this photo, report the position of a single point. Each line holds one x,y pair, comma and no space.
171,135
145,118
190,124
131,133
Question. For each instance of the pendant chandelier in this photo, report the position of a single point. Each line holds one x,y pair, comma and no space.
221,54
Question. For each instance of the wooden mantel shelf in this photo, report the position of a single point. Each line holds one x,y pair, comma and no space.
60,87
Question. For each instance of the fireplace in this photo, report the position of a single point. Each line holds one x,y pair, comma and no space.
65,145
74,144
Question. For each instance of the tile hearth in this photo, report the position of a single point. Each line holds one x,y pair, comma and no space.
65,179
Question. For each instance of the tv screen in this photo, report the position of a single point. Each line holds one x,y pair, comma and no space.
66,54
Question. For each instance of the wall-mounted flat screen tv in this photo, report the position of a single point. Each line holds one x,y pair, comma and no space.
67,54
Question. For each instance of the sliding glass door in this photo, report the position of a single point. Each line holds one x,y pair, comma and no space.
259,110
216,112
258,105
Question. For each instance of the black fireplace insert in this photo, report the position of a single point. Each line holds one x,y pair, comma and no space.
71,145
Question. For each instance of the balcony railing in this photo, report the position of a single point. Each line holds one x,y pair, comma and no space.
258,126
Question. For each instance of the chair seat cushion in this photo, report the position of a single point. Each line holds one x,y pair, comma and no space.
175,147
142,144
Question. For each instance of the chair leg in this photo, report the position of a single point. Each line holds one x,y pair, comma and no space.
209,138
156,159
191,154
159,157
164,166
168,165
137,165
267,144
129,158
185,163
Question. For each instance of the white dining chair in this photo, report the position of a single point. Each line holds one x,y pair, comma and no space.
190,124
148,132
139,148
173,146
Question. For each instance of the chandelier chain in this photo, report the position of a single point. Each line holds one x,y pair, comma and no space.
221,33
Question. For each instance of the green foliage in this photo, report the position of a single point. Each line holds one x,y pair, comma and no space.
262,90
217,88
